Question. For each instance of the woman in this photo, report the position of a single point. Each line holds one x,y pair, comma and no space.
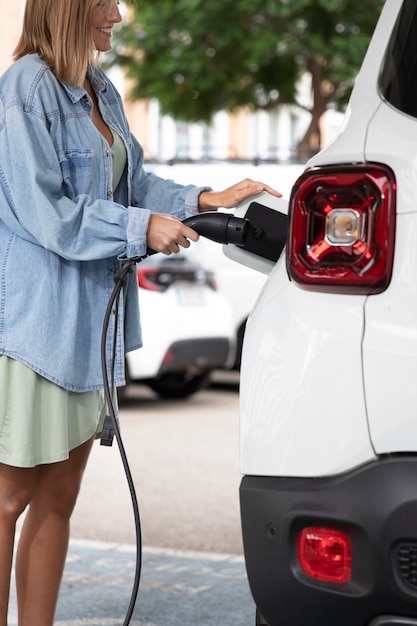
74,201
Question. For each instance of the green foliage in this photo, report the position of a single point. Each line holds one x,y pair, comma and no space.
201,56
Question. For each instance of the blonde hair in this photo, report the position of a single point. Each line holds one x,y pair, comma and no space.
60,32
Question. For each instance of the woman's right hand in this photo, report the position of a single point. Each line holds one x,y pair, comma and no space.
166,234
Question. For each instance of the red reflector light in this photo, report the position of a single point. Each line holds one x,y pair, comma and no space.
342,229
325,554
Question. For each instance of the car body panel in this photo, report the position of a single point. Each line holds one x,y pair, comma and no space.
400,156
293,414
390,350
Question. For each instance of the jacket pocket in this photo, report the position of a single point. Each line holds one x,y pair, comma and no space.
77,171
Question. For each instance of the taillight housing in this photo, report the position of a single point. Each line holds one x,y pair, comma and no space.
342,229
325,554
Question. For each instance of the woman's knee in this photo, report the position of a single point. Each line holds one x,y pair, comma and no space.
63,497
17,488
60,483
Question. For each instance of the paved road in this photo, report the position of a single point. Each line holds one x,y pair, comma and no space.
177,588
184,458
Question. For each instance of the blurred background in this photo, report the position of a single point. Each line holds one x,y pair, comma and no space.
235,80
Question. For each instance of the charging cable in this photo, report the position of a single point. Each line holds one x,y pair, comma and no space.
111,427
220,227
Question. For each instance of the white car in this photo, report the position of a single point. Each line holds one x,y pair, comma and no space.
328,404
239,284
187,326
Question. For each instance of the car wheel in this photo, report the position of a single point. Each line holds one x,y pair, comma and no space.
178,384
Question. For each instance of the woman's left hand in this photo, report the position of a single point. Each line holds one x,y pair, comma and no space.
232,196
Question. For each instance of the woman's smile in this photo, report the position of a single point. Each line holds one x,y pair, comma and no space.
102,22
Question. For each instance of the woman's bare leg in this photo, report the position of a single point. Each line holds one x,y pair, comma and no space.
16,489
44,538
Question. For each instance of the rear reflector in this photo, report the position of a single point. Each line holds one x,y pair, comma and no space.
342,229
325,554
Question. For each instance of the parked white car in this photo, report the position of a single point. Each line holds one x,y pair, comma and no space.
239,284
328,404
187,326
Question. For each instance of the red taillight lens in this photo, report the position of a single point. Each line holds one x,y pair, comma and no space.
325,554
342,228
148,278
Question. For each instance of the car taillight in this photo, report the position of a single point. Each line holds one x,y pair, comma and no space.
149,278
325,554
160,278
342,229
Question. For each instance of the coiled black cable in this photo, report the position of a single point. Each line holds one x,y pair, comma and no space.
111,426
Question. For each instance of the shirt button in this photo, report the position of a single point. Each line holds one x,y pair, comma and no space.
110,194
107,152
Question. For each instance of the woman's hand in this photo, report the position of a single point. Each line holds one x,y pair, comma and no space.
166,234
232,196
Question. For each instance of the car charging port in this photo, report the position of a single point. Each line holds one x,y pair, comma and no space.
263,231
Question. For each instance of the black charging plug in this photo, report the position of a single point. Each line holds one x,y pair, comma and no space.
107,434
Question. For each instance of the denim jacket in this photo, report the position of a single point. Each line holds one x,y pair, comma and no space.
63,230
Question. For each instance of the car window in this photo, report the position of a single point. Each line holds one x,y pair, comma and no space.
398,82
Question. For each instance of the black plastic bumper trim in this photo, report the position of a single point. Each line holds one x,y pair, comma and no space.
201,354
376,504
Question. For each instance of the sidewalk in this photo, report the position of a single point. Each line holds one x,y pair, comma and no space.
176,589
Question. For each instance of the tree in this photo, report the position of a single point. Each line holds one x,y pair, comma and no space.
197,57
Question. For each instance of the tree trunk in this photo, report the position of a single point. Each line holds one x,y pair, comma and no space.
310,143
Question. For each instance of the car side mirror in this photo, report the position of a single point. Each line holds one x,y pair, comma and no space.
267,233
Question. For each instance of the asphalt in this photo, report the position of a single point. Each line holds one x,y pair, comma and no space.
176,588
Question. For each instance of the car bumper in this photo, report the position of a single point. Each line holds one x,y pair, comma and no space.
376,504
198,355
